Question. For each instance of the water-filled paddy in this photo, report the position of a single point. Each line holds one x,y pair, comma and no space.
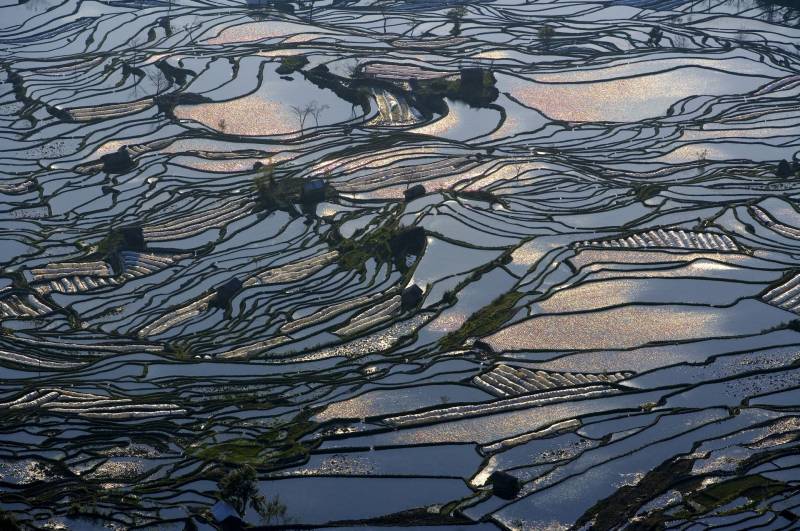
378,251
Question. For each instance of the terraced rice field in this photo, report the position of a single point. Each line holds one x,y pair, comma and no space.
396,254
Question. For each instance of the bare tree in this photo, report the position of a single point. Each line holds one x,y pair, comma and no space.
302,113
317,110
37,5
702,161
158,79
191,28
134,45
382,8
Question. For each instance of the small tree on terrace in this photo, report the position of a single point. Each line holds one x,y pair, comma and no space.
158,80
546,34
239,487
456,15
317,110
302,112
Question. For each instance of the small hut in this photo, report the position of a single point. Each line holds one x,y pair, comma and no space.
411,297
313,191
784,170
410,240
226,517
118,162
504,485
415,192
132,238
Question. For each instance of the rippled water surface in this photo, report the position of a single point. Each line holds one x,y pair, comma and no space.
212,256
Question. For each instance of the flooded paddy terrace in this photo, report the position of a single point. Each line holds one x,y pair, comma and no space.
212,256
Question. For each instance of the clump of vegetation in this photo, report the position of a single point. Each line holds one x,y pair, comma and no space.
384,244
8,522
753,487
74,321
110,244
618,508
475,86
120,238
353,254
87,510
279,446
167,102
785,170
264,182
643,192
484,321
291,64
546,34
181,351
344,88
649,406
655,36
439,86
457,13
239,487
479,195
279,194
428,516
233,451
